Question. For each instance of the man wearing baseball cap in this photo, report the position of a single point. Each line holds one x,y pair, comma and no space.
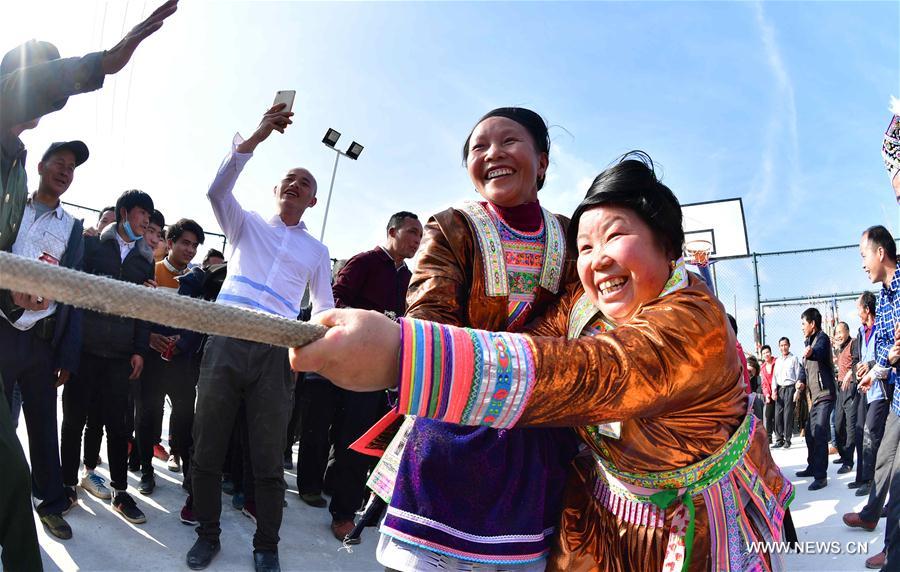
41,348
34,81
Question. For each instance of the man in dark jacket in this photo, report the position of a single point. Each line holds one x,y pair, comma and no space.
41,347
373,280
820,388
33,83
112,355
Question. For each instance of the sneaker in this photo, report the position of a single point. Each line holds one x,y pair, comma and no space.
314,500
202,553
237,501
147,484
266,561
174,464
57,526
96,485
71,497
125,505
160,452
249,511
187,512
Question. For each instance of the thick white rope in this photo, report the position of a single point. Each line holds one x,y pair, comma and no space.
160,307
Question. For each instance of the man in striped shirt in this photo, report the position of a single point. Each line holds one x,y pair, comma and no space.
879,255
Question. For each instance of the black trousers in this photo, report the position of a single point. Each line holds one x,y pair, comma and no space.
259,374
18,538
818,429
332,415
294,424
801,416
862,408
784,414
100,390
27,360
845,424
873,422
160,378
770,419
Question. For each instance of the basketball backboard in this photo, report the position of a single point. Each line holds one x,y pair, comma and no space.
721,223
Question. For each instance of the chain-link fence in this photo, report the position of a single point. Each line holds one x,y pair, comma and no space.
767,292
89,216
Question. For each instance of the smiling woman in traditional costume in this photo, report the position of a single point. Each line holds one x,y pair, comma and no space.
490,264
639,357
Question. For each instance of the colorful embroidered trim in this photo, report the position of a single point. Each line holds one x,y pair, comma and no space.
729,484
554,253
491,389
496,282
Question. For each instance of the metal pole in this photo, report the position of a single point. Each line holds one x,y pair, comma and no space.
759,316
337,155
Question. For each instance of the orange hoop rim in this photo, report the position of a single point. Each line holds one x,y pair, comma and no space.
697,251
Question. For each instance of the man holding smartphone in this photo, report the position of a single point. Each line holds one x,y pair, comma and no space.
272,260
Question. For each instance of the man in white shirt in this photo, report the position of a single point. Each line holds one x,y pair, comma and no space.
271,262
788,373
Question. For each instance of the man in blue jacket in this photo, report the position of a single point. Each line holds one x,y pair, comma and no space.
112,354
41,347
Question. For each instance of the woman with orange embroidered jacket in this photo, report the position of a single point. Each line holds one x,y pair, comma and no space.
686,481
492,265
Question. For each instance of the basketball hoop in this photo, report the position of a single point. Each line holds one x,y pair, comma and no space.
697,252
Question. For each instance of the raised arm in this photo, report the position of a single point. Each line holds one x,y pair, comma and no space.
229,213
37,90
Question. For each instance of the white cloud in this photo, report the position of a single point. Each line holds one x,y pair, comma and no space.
778,181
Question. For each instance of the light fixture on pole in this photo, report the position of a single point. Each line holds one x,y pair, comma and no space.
353,152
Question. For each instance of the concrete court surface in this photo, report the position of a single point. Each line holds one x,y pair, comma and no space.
103,541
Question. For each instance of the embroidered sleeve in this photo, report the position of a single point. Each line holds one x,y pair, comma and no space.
464,376
667,359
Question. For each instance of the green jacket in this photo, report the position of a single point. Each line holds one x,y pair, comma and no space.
28,94
14,195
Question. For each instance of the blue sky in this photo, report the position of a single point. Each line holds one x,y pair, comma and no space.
782,104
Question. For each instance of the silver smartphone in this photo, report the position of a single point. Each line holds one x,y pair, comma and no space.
286,97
